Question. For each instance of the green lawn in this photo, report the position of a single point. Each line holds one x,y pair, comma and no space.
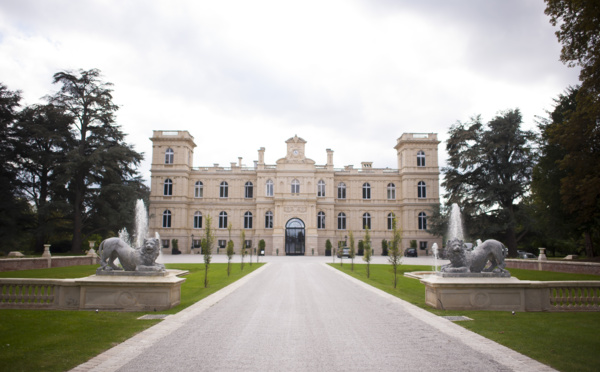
565,341
47,340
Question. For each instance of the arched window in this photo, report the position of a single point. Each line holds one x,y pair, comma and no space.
223,220
295,187
420,159
269,220
341,221
197,220
168,187
198,189
341,190
321,188
422,221
366,221
169,155
248,220
224,190
390,221
248,190
269,188
421,190
166,218
391,191
366,188
321,220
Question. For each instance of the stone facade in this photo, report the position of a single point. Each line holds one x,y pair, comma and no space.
265,200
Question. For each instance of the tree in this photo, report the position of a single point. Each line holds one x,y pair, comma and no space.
261,248
352,253
328,248
101,168
42,140
230,253
367,247
384,247
209,241
395,249
489,173
243,245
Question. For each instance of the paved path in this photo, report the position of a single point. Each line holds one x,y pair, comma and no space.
305,316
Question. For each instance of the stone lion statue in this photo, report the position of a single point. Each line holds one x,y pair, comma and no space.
132,259
486,257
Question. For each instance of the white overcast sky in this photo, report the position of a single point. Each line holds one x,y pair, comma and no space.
350,75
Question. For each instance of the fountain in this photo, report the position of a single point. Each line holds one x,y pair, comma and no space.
474,279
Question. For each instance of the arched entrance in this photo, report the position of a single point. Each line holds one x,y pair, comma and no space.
294,237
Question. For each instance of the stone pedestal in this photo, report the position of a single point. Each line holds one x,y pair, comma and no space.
122,292
46,253
542,256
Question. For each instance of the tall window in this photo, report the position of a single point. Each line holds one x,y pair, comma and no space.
269,188
248,220
224,190
166,218
223,220
295,187
197,220
341,190
341,221
390,221
269,220
421,190
366,190
366,221
168,187
321,188
391,191
248,190
169,155
420,159
321,220
422,221
198,189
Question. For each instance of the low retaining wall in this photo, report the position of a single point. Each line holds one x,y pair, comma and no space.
14,264
557,266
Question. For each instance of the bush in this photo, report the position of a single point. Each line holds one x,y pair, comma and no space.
384,247
328,248
175,249
361,248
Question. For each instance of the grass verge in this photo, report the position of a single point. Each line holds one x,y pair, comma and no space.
564,341
48,340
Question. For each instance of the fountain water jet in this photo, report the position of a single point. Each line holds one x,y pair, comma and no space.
455,228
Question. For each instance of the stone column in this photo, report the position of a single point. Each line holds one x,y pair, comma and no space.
542,256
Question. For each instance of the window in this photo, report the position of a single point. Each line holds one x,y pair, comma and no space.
423,245
422,221
269,188
224,190
295,187
196,243
166,218
420,159
165,243
248,220
197,220
391,191
321,220
223,220
421,190
198,190
321,188
269,220
390,221
248,190
366,221
169,155
341,221
247,243
366,191
341,190
168,187
222,243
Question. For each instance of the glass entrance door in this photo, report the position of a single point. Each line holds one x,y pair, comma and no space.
294,237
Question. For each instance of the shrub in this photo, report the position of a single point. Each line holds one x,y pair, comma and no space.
328,248
361,248
384,247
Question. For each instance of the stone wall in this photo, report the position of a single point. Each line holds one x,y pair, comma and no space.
14,264
556,266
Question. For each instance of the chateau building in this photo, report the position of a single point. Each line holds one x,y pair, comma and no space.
295,205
